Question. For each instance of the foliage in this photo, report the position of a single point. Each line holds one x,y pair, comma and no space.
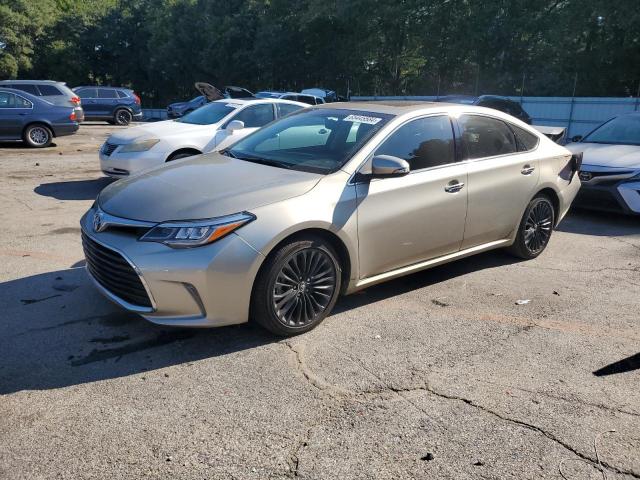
402,47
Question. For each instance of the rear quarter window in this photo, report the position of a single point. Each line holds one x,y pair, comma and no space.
49,90
526,141
122,94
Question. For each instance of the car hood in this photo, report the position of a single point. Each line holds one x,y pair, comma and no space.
202,187
157,130
602,155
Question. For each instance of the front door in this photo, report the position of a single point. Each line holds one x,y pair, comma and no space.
406,220
15,112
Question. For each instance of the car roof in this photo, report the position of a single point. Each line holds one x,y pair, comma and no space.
247,101
100,86
393,107
400,107
37,82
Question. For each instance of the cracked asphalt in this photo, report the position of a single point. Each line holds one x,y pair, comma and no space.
436,375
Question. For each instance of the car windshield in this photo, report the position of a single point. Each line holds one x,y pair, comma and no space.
314,140
623,130
209,114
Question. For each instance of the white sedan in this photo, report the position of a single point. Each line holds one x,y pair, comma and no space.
212,127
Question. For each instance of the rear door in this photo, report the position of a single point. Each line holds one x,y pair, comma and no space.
501,179
107,102
14,115
89,100
406,220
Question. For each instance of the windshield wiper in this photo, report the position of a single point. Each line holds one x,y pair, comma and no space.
260,160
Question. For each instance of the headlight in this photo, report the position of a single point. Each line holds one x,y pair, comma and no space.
198,232
142,146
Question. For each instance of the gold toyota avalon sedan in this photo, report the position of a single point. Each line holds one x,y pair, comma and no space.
323,202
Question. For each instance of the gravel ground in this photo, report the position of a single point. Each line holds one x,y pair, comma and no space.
436,375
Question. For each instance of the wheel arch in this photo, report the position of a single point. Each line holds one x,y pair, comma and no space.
192,150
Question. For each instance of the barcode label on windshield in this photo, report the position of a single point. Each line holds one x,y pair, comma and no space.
362,119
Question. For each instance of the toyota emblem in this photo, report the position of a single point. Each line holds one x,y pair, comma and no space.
585,176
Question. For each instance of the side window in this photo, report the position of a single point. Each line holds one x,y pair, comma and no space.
26,88
256,115
87,93
22,102
425,142
107,93
526,141
307,99
7,100
486,136
122,94
49,91
287,108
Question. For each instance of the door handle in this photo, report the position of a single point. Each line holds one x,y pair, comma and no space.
453,186
527,170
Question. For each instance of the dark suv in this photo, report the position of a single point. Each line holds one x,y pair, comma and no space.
496,102
116,105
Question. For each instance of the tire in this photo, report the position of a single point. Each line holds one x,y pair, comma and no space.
38,136
122,116
285,302
177,156
535,229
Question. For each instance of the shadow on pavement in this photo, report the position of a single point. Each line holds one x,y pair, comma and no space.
57,330
73,190
628,364
588,222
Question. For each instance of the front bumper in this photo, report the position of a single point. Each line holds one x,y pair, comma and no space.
610,194
121,165
206,286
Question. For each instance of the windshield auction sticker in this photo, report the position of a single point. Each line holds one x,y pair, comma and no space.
362,119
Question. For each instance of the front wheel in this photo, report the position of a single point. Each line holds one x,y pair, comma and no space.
38,136
534,231
297,287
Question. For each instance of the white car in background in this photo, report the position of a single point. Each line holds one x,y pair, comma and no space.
209,128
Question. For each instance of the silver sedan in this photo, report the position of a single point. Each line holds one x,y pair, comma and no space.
610,172
324,202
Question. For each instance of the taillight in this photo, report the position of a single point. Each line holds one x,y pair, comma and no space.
73,116
136,98
75,100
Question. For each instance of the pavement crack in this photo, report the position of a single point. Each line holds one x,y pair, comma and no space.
402,392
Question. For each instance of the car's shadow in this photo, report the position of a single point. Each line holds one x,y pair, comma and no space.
588,222
24,146
57,330
73,189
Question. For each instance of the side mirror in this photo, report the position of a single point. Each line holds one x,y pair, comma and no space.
234,125
384,166
576,138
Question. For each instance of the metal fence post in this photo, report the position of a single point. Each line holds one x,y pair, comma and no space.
573,100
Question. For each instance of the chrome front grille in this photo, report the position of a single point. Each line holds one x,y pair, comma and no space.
111,270
108,148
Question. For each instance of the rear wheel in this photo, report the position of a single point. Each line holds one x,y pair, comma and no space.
535,228
297,287
122,116
38,136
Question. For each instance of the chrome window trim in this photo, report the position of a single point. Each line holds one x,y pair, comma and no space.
116,298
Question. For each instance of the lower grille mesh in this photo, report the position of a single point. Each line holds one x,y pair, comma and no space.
113,272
